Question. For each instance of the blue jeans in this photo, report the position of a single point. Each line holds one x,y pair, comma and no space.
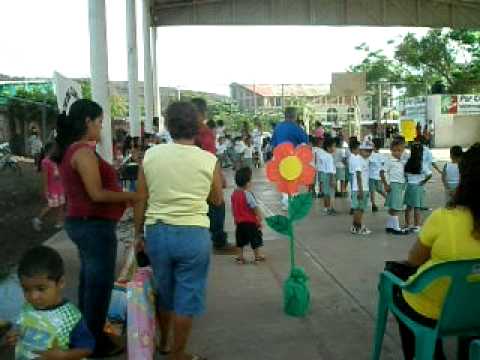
96,241
180,258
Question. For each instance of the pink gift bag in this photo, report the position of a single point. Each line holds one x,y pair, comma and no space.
141,323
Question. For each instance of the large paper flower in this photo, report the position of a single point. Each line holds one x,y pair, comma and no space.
290,168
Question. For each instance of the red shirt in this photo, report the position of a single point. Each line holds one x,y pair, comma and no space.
79,204
242,213
206,139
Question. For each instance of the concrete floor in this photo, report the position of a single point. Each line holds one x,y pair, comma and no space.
245,318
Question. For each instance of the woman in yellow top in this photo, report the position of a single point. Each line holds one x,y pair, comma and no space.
175,182
449,234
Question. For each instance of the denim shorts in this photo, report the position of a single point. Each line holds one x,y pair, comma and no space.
180,257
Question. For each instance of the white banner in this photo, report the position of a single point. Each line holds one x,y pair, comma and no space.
67,91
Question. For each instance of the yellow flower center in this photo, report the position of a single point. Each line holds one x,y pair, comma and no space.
291,168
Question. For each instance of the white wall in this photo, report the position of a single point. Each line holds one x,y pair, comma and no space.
463,130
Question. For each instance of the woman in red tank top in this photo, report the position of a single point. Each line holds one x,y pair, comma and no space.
95,203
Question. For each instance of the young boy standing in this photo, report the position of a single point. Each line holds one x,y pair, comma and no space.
328,175
50,327
360,190
451,174
247,216
376,162
394,169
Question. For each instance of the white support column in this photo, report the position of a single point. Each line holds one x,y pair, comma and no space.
132,53
157,100
147,68
99,71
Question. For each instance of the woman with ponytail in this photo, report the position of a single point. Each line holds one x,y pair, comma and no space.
95,203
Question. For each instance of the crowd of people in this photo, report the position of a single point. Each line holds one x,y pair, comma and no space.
179,214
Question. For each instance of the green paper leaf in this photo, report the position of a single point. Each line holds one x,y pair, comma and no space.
280,224
299,206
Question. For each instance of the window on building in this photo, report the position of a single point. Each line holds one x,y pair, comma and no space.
278,101
332,115
351,114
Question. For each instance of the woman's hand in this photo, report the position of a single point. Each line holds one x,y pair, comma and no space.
388,188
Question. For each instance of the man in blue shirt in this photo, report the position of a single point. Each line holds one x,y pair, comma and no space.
288,130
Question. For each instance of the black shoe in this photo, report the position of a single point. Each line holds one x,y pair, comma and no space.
107,349
320,195
374,209
397,232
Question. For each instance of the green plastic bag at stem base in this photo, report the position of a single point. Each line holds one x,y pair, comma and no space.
296,293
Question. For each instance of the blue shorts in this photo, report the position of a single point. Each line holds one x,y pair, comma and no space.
180,257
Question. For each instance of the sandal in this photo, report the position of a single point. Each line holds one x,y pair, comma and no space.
260,258
240,261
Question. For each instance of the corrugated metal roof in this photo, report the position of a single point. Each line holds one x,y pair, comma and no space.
304,90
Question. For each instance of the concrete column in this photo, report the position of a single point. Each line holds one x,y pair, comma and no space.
147,68
132,53
99,71
157,100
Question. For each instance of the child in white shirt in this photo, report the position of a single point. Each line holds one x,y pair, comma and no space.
317,155
394,170
451,174
360,169
238,150
328,175
340,162
417,176
376,165
248,153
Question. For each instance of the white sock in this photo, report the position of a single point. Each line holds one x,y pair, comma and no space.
393,222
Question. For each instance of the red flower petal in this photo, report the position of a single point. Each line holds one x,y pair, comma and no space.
273,174
304,152
308,175
292,187
283,150
282,187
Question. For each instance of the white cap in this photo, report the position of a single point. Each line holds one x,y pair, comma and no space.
366,146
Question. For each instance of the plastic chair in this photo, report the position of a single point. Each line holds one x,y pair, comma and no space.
460,315
475,350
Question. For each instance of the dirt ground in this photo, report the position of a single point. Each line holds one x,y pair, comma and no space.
20,201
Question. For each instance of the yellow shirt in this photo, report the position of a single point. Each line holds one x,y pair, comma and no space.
179,179
448,232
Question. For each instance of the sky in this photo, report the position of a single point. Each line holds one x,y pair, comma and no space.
40,37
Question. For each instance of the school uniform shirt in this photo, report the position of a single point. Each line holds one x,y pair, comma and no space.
328,163
248,152
351,161
428,159
416,179
358,163
318,159
452,174
394,170
376,162
239,147
340,156
221,149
